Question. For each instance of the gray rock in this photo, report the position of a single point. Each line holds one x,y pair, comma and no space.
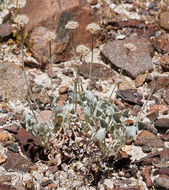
162,123
139,61
161,182
12,84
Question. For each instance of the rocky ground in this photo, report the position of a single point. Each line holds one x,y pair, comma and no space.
143,163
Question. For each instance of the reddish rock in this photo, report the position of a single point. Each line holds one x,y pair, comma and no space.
16,162
93,2
123,155
162,123
161,43
155,158
63,89
140,79
12,81
2,121
5,30
146,176
29,146
165,137
54,15
164,18
164,170
136,109
6,187
130,96
166,96
12,128
164,62
161,182
52,186
148,138
152,116
99,72
138,61
162,83
150,127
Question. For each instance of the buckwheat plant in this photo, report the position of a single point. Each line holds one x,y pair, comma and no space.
22,21
129,47
93,28
50,36
71,26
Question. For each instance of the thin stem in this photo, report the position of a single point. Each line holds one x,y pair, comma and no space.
16,7
143,107
125,61
25,76
78,78
26,81
73,45
91,64
51,68
75,96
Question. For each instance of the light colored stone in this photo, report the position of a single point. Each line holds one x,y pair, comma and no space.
2,158
4,136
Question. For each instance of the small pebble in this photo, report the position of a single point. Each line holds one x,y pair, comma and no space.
44,184
146,149
4,110
13,148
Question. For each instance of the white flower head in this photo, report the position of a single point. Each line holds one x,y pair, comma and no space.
50,36
21,20
21,3
93,28
72,25
130,46
82,49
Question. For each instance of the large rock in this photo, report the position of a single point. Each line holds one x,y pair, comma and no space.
161,44
50,15
164,18
138,62
12,83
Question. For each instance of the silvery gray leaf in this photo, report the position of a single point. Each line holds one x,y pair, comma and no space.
130,132
100,135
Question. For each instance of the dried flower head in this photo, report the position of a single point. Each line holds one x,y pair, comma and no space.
21,20
82,49
130,46
72,25
93,28
50,36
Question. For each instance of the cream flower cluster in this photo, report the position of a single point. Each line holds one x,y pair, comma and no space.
93,28
82,49
50,36
130,46
72,25
21,20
